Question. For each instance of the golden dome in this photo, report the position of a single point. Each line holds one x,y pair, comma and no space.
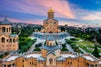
50,10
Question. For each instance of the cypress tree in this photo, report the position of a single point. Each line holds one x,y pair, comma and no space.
96,52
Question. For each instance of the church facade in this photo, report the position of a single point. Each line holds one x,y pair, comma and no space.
50,25
8,41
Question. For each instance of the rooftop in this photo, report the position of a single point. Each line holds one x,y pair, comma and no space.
32,55
89,58
11,58
62,57
13,35
69,55
51,38
51,48
5,22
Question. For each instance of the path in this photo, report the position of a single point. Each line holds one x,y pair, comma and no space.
33,46
69,48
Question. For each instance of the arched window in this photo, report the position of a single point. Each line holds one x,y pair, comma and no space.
13,40
3,29
7,29
4,65
13,64
87,64
3,39
7,40
10,40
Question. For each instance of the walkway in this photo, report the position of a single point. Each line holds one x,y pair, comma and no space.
83,51
69,48
33,46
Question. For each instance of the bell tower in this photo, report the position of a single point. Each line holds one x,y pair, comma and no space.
5,27
50,25
50,14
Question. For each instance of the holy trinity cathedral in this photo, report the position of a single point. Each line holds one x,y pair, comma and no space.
50,54
50,25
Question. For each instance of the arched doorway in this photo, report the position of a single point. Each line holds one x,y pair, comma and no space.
50,32
51,61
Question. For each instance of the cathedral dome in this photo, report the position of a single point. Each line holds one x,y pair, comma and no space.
50,10
50,38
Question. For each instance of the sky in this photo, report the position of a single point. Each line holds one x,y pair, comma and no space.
71,12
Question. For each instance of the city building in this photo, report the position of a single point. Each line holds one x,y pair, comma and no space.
8,41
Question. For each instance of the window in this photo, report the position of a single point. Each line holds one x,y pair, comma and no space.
3,29
92,65
4,65
30,63
13,64
10,40
87,64
96,65
13,40
22,60
3,39
7,40
9,65
7,29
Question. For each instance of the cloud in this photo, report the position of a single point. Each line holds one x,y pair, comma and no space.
93,16
30,21
61,7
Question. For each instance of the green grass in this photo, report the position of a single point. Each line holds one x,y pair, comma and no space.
86,44
83,44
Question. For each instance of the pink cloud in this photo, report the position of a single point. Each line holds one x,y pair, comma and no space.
61,7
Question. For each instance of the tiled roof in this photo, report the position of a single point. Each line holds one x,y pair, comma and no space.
51,38
51,48
5,22
61,58
13,35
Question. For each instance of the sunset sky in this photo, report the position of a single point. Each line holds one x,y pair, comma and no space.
87,12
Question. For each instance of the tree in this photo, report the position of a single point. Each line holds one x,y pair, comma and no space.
96,52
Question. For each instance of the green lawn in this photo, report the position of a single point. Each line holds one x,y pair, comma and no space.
88,46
